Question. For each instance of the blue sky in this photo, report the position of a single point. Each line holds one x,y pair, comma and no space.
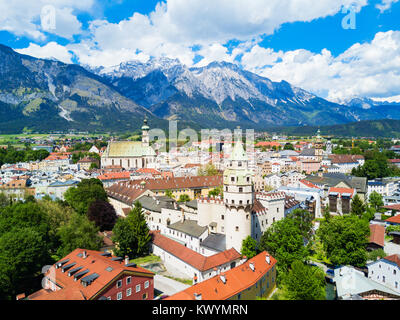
300,41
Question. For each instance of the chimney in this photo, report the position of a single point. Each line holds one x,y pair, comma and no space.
126,260
198,296
268,259
223,278
84,254
252,267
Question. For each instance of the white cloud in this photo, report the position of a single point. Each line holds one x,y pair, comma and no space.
368,69
23,18
177,25
385,5
48,51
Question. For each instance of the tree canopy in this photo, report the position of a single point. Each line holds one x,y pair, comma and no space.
304,282
131,234
285,241
102,214
81,233
87,191
344,239
249,247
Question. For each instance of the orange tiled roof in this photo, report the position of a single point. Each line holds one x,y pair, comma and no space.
395,219
114,175
394,258
395,207
148,170
342,190
237,280
194,258
96,263
268,144
377,234
309,184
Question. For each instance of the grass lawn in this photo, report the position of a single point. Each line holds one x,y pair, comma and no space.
146,260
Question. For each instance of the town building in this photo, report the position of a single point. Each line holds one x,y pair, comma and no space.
386,271
95,275
130,154
255,278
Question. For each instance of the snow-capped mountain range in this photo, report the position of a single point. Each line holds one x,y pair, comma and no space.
219,95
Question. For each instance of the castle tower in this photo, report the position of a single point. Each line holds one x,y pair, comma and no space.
319,147
145,134
238,198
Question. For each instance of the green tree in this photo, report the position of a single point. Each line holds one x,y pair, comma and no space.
4,200
23,253
58,215
208,170
81,233
184,198
169,194
124,238
87,191
140,229
218,191
303,219
305,282
375,254
288,146
132,235
344,239
249,247
284,240
376,200
357,206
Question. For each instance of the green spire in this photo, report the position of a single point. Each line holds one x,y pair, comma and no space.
238,153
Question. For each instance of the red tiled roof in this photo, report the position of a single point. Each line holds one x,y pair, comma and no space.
394,160
309,184
394,258
191,257
114,175
395,219
96,264
238,279
268,144
342,190
395,207
345,158
148,170
179,183
377,234
55,157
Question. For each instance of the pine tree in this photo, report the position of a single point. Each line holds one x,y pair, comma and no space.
357,206
140,229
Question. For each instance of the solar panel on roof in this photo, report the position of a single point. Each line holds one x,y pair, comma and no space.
66,267
71,272
80,274
89,279
106,254
117,259
133,265
59,264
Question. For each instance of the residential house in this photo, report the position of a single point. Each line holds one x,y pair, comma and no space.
254,278
95,275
